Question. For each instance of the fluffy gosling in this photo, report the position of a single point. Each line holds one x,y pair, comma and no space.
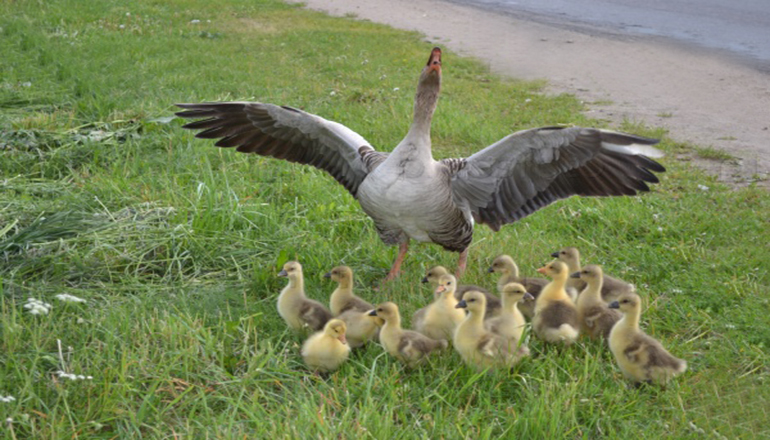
326,350
299,312
640,357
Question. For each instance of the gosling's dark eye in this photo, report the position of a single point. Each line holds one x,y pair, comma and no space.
472,300
379,310
449,283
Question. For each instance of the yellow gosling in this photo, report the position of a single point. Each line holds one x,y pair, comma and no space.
407,346
595,317
343,298
326,350
640,357
510,324
479,347
299,312
555,318
441,317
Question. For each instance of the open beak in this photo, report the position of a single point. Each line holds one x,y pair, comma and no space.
434,62
461,305
283,273
614,305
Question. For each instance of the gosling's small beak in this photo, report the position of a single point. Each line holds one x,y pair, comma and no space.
461,305
555,255
373,312
575,275
440,289
343,339
283,273
541,270
529,297
424,279
491,269
328,275
614,305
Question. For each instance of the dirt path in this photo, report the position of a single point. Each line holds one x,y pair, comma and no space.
700,97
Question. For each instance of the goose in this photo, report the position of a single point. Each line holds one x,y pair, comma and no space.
612,288
327,349
411,196
510,324
343,298
299,312
556,319
494,304
479,347
640,357
595,317
509,273
407,346
440,318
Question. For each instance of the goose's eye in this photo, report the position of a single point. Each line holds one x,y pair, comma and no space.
449,283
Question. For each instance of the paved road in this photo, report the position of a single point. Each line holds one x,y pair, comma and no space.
739,26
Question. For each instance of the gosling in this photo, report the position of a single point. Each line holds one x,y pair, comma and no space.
595,317
299,312
640,357
326,350
556,319
407,346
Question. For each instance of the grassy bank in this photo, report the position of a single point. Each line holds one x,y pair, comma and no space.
175,244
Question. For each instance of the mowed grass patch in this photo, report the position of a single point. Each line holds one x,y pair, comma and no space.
175,244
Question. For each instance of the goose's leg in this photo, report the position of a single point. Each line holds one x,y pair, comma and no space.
461,262
396,268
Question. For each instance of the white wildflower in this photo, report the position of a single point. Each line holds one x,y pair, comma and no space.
332,93
73,377
703,187
655,216
194,21
37,307
9,420
128,14
208,21
66,297
528,100
26,84
122,26
7,399
396,89
676,290
660,229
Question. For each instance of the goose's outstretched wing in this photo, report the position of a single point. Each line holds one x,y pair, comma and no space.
284,133
530,169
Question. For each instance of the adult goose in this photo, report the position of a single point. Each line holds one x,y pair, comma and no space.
410,195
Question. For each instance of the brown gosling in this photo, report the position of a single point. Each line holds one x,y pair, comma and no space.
509,273
556,318
407,346
440,318
493,303
299,312
510,324
343,298
596,318
326,350
612,288
641,358
479,347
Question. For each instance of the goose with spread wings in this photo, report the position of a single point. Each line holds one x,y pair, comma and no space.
411,196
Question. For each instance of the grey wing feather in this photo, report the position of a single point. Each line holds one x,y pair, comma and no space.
283,133
530,169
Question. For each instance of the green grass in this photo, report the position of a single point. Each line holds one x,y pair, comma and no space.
175,244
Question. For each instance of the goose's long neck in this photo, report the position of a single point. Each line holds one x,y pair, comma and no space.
425,102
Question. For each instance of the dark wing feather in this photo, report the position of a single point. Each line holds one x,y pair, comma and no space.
530,169
283,133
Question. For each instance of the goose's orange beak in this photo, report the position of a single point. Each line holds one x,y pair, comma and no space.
434,62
